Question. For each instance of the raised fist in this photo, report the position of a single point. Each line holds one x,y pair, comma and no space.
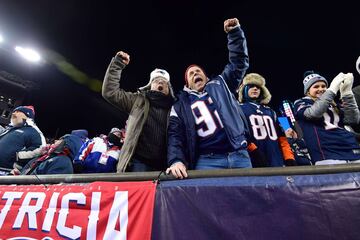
230,24
346,85
125,58
335,83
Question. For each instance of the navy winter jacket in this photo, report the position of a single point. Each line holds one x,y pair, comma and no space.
182,136
16,139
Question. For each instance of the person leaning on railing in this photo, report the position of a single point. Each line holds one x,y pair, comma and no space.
206,129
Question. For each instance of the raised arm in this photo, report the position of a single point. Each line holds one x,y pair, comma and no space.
320,106
111,90
349,106
238,54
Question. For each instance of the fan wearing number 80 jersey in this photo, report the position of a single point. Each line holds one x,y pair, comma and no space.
265,131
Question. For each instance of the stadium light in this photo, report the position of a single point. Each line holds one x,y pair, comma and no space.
1,39
28,54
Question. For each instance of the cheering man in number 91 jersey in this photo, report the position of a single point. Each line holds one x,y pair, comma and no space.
322,119
206,130
269,146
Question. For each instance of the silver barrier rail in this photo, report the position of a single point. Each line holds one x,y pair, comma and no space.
146,176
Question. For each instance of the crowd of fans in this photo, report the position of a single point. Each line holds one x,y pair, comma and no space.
204,126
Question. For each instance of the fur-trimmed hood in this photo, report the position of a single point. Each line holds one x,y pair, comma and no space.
258,80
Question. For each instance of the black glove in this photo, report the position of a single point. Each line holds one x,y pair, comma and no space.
258,159
290,162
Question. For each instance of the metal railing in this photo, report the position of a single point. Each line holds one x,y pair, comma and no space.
146,176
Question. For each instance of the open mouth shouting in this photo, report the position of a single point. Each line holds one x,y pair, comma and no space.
197,79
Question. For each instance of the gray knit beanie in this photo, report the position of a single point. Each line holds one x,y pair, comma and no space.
310,77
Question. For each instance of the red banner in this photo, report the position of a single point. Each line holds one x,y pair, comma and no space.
100,210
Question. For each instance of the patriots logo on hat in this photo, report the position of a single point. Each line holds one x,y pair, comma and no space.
159,73
308,77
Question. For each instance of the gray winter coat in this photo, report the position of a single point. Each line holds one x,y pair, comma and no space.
135,104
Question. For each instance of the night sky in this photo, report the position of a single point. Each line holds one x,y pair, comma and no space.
284,40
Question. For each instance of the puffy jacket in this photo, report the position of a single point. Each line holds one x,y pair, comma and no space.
97,155
20,143
182,136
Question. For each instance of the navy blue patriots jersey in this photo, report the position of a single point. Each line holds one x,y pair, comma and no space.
212,137
264,131
326,137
